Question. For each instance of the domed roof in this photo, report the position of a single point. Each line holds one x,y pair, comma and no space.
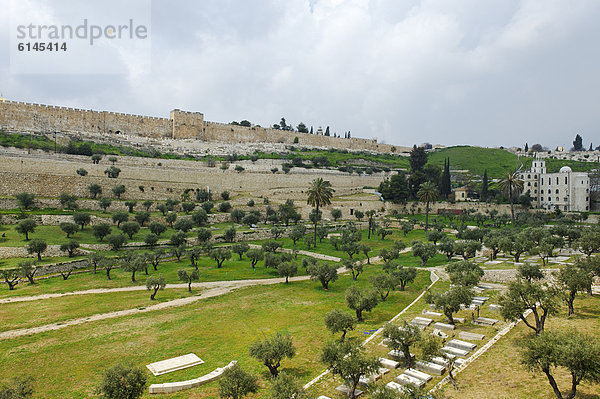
565,169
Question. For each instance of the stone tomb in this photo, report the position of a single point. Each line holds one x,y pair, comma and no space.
418,374
495,308
170,387
430,367
406,379
458,344
388,364
455,351
344,389
470,336
444,326
485,321
439,333
396,387
440,361
174,364
430,313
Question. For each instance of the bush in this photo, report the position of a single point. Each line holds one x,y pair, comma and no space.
123,382
225,195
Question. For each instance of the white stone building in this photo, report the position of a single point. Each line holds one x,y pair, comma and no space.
565,190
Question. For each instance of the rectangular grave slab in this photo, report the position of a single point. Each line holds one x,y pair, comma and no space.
471,307
459,362
408,380
397,354
418,374
470,336
323,397
431,368
439,333
477,303
481,298
389,364
459,319
440,360
421,321
396,387
493,262
174,364
430,313
444,326
485,321
344,389
495,308
455,351
383,371
458,344
368,379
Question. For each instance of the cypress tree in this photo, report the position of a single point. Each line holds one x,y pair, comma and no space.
526,147
484,186
327,131
311,130
446,186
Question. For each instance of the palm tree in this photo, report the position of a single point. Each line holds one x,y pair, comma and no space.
428,193
511,183
319,194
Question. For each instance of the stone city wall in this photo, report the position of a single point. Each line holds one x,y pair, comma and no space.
51,175
28,117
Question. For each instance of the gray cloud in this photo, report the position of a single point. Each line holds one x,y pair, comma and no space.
447,71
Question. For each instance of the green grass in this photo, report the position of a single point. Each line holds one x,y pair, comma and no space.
232,269
499,374
217,329
20,315
53,235
476,160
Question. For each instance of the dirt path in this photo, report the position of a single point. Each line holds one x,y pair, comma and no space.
212,289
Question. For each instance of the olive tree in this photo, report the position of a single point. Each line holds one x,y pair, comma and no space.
123,382
37,247
25,227
338,321
154,284
324,273
423,250
402,338
361,300
529,294
348,360
188,277
236,383
451,300
579,354
272,350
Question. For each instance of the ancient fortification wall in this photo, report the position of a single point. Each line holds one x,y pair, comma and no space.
49,175
27,117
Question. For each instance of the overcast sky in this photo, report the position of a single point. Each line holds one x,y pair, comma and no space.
451,72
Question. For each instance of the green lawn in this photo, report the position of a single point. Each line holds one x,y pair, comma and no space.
217,329
232,269
476,159
19,315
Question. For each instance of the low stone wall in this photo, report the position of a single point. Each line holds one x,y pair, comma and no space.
509,275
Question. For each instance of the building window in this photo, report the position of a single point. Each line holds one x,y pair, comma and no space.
529,176
535,191
528,184
557,199
535,184
566,181
557,180
566,208
557,191
565,199
535,176
541,191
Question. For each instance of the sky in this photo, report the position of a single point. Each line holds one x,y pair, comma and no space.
487,73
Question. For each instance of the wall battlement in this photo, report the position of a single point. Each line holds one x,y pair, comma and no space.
29,117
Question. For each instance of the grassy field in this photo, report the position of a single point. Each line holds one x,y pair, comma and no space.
218,330
498,373
232,269
476,160
19,315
